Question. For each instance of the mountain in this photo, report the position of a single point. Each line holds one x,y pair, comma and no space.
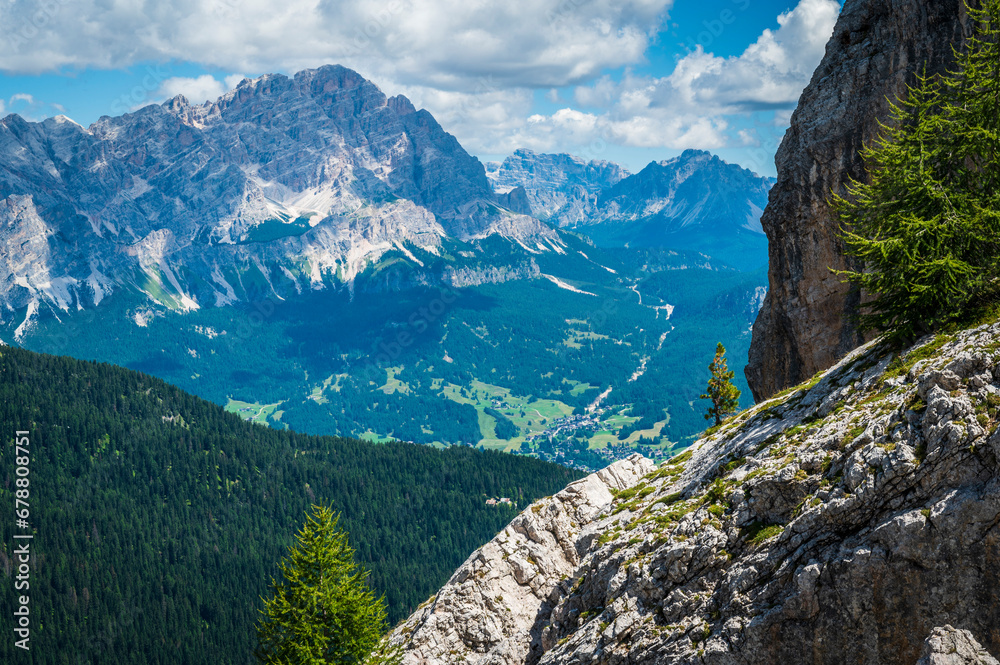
561,189
876,50
694,202
301,182
314,255
850,519
158,518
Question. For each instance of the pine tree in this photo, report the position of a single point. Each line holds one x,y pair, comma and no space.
724,395
322,611
926,226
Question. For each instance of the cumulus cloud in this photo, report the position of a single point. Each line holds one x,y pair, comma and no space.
770,74
28,106
693,106
439,43
474,65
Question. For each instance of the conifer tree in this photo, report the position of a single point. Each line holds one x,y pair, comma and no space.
926,226
322,611
724,395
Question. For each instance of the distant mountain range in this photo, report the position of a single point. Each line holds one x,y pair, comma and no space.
302,181
693,202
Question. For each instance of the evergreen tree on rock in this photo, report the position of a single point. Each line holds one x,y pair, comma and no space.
925,228
724,395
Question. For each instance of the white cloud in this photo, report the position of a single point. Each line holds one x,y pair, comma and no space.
474,65
22,97
445,44
770,74
197,90
693,107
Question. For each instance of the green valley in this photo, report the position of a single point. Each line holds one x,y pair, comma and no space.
582,357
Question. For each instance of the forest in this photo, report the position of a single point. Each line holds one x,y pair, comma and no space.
331,362
158,518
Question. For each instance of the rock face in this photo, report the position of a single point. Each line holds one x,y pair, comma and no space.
693,202
841,523
300,181
876,49
488,612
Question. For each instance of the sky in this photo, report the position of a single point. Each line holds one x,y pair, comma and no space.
630,81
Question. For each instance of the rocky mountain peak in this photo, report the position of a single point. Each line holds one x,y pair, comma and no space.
560,188
320,170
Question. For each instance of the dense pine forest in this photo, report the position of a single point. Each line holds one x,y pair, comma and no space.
158,518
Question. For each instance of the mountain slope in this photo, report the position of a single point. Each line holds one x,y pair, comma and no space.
158,519
694,202
537,343
850,519
312,254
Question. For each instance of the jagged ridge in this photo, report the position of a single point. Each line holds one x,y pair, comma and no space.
301,182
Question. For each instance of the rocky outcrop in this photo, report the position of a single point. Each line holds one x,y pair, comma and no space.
876,50
841,522
492,609
950,646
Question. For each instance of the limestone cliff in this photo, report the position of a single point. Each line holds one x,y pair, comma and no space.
876,49
855,519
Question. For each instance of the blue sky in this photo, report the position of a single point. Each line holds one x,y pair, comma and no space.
625,80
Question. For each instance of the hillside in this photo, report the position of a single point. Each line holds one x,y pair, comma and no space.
158,518
876,50
433,365
850,519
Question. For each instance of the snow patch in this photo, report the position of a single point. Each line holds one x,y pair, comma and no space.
408,253
29,320
223,299
569,287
